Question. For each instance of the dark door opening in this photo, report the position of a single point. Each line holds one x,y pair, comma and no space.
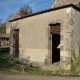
55,49
16,38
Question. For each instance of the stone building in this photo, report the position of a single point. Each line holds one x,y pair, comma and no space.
5,31
48,36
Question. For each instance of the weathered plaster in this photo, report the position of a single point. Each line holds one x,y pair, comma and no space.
35,40
34,35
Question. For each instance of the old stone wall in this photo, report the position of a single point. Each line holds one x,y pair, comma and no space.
76,36
67,39
70,37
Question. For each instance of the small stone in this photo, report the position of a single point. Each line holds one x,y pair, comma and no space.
35,64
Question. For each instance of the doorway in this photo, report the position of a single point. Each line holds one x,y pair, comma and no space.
55,49
16,39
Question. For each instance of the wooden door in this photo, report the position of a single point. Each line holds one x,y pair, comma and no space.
17,42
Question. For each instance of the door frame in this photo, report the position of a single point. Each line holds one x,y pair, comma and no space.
52,31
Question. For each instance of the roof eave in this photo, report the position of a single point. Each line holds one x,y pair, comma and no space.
53,9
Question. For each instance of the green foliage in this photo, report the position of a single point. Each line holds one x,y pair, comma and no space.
57,71
17,61
79,47
4,64
74,55
74,62
73,65
79,53
3,50
38,70
17,67
60,71
3,28
74,73
32,70
15,56
78,71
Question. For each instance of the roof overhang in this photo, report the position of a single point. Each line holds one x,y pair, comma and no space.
52,9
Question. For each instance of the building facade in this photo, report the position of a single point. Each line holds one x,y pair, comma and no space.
46,37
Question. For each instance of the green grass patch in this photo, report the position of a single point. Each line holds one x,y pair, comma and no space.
4,61
32,70
5,65
61,71
74,72
38,71
16,66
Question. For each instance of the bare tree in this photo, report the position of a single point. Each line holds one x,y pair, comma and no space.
25,10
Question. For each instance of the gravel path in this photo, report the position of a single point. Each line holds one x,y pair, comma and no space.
34,77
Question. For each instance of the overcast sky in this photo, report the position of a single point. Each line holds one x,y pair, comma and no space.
8,7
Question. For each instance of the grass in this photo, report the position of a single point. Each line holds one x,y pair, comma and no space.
5,65
37,71
16,67
4,50
3,28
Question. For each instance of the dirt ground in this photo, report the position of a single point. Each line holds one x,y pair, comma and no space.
55,66
5,76
52,67
33,77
